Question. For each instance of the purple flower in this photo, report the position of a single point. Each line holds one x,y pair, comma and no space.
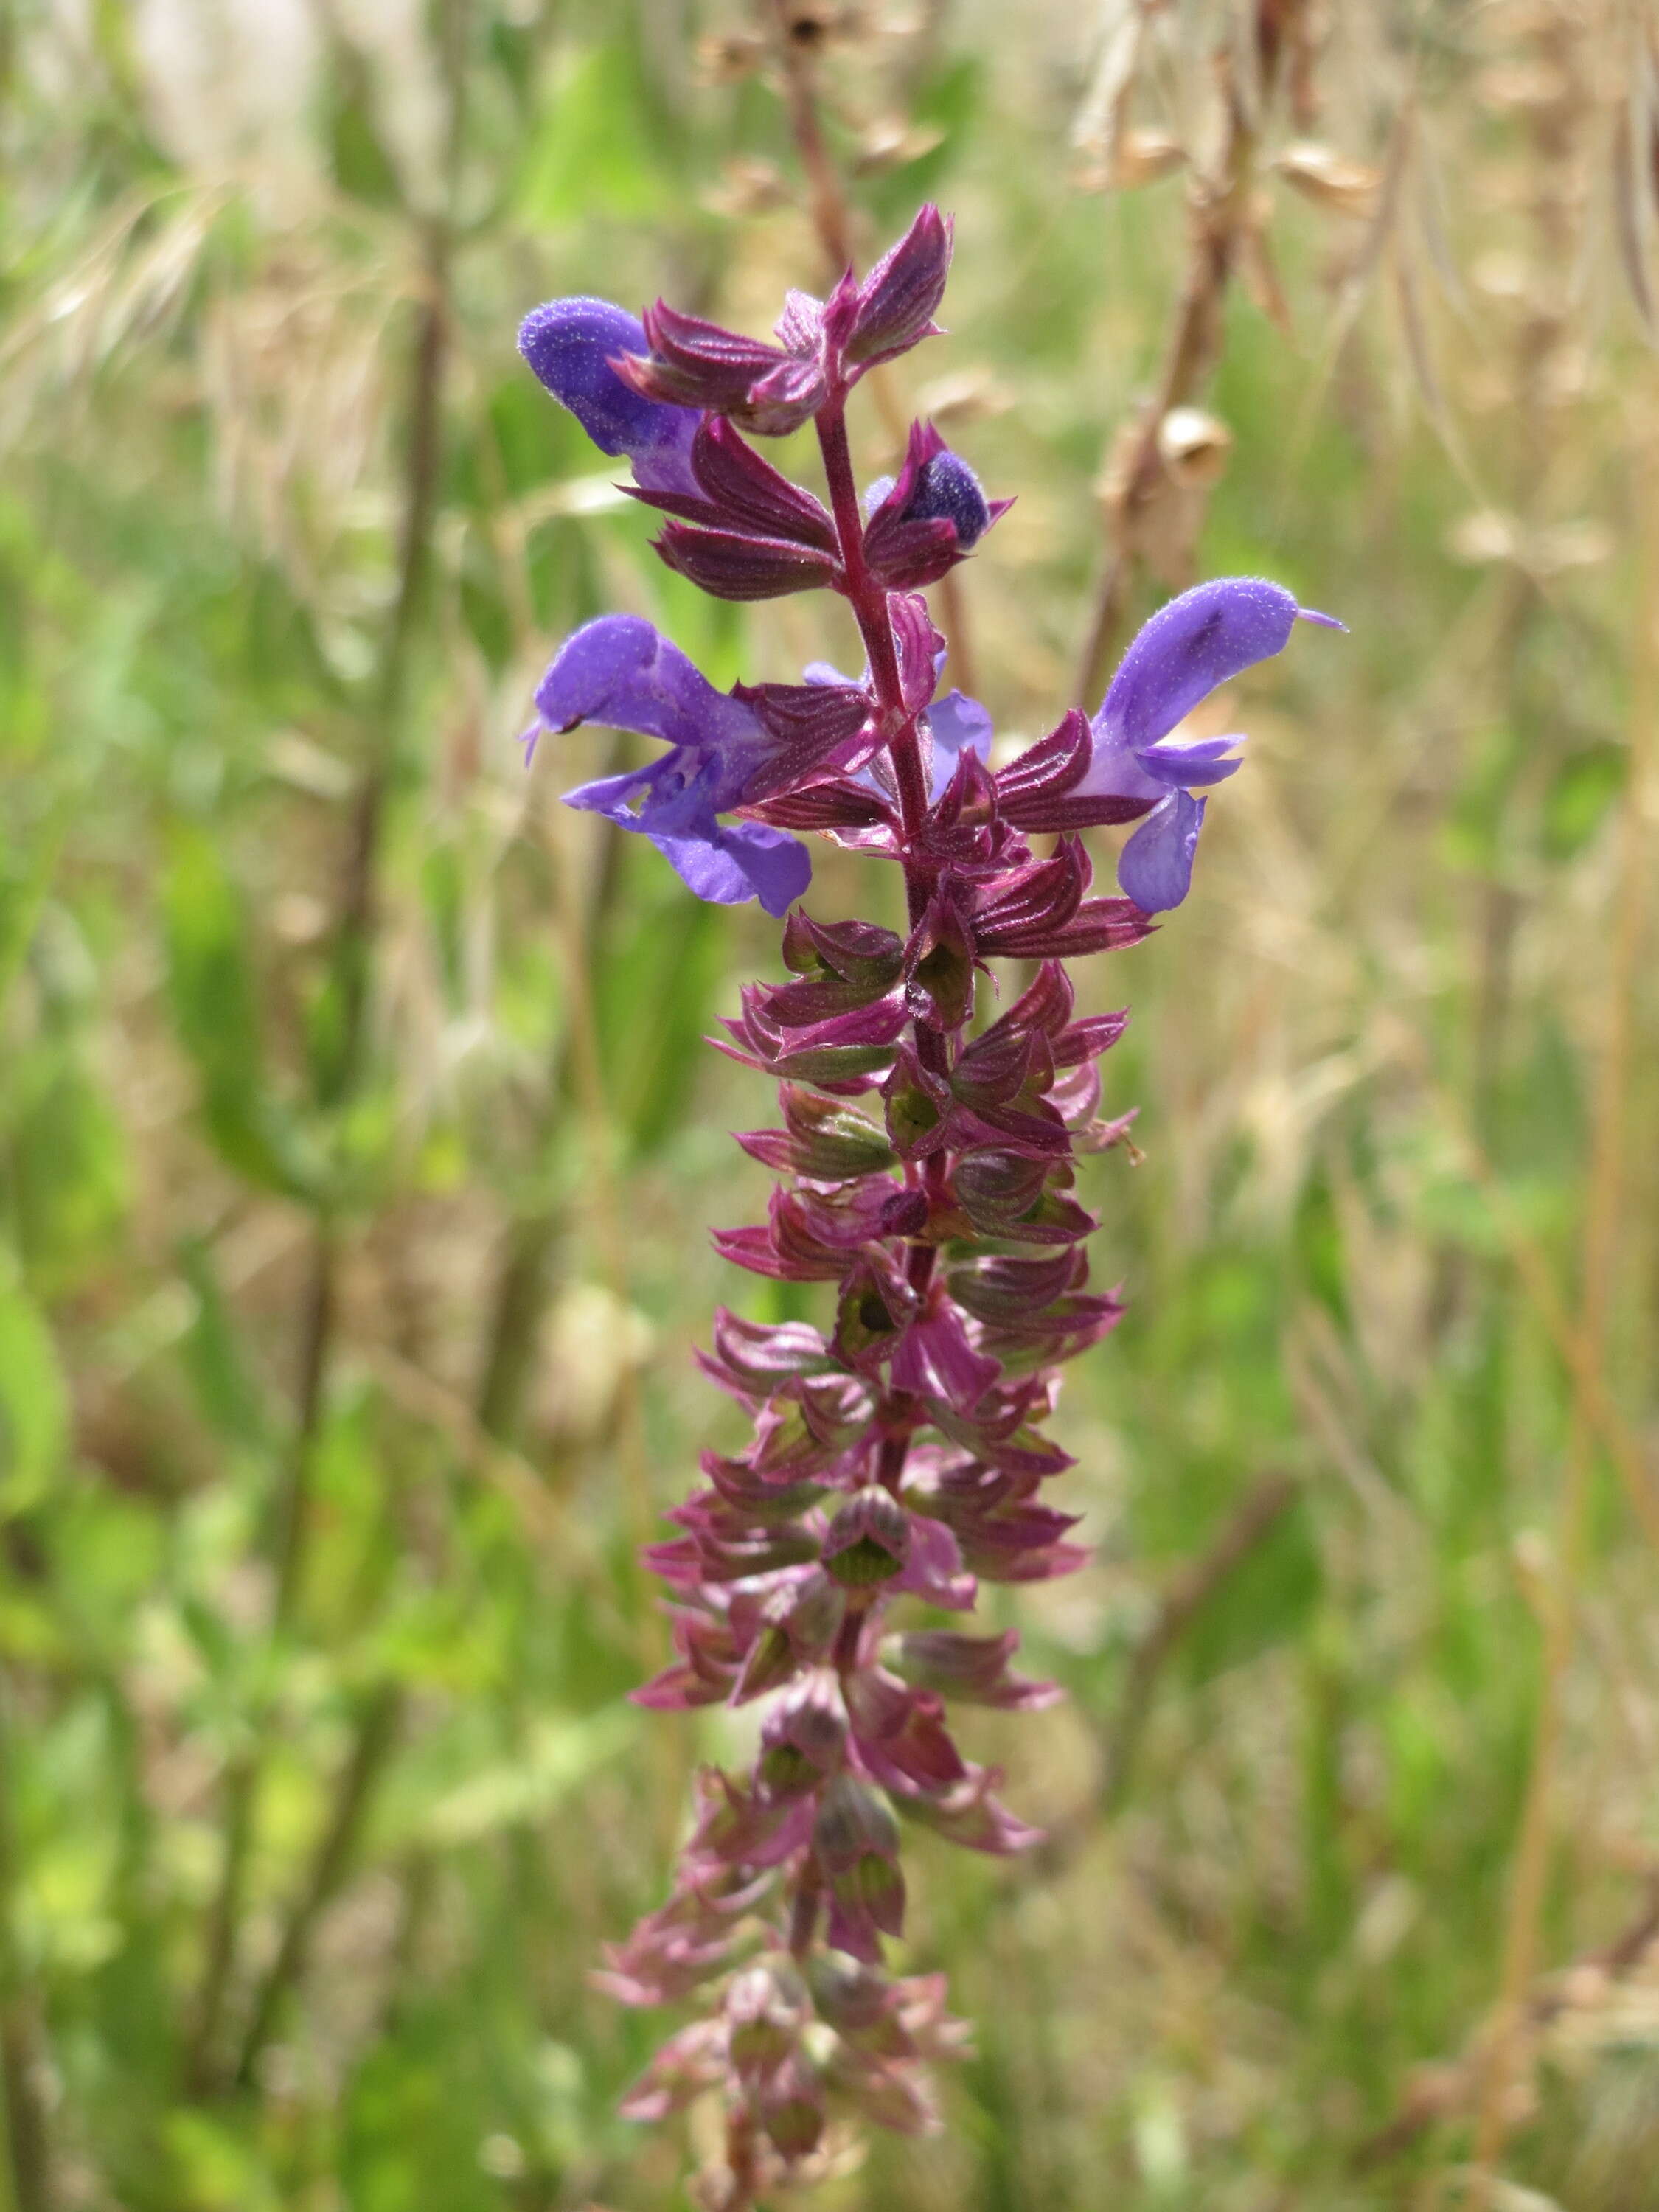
571,344
957,724
921,522
947,490
620,671
1188,647
926,1176
952,726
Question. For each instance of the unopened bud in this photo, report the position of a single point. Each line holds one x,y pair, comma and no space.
896,299
850,1995
792,2107
763,2011
914,1115
880,1888
769,1663
811,1719
868,1539
815,1615
939,963
854,1821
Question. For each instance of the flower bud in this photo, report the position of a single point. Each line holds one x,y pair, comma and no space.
947,490
896,299
849,1995
804,1737
854,1822
938,960
868,1541
729,565
878,1884
871,1317
916,1110
796,1624
765,2008
791,2106
769,1663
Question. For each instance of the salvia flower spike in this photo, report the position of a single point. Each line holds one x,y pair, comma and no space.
926,1175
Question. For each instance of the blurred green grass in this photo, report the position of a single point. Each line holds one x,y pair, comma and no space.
482,1116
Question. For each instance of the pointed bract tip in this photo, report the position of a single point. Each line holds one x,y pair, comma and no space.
895,302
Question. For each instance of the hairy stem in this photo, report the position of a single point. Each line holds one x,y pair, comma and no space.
870,610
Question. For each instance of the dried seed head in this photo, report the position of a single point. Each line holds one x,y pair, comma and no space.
1330,179
727,58
812,25
1486,536
749,187
1524,87
964,398
1194,446
889,140
1136,157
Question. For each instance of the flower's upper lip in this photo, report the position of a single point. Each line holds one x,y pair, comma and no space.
1190,647
571,345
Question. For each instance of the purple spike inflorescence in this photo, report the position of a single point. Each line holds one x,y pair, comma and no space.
926,1171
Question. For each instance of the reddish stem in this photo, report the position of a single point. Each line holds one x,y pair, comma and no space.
869,601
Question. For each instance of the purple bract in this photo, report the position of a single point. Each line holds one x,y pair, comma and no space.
926,1173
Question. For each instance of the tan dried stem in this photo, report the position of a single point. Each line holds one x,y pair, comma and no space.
1557,129
1446,2090
1537,1278
1605,1197
1187,1593
1140,491
798,35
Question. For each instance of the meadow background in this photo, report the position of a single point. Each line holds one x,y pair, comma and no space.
357,1144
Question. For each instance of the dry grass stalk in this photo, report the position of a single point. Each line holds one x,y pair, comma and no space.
1550,84
1258,1514
1153,507
1600,1250
1448,2091
1537,1278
